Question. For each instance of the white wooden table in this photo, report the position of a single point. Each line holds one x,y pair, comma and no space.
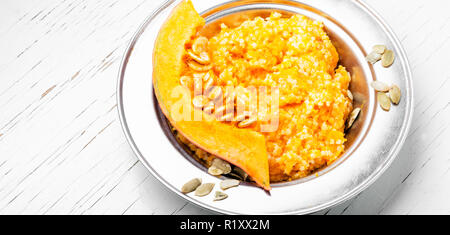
62,150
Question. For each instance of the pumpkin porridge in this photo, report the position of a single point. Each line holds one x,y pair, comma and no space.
296,56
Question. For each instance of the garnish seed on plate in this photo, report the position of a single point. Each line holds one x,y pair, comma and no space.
395,94
204,189
388,58
384,101
380,49
373,57
230,183
191,186
219,196
380,86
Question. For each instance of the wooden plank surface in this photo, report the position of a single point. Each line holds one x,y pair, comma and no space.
62,150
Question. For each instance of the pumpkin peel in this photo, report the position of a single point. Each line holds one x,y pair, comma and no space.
241,147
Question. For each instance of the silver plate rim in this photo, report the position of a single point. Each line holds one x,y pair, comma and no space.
369,181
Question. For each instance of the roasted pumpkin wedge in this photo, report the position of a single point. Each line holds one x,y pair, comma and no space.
241,147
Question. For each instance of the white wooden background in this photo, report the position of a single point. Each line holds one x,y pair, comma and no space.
62,150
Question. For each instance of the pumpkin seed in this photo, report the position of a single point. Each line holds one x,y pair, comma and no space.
200,45
198,84
395,94
353,116
219,196
229,97
203,58
350,95
219,111
234,176
384,101
191,185
222,165
242,117
207,76
187,82
215,93
209,107
242,101
226,118
199,67
204,189
200,101
243,175
380,49
373,57
223,109
199,75
227,184
380,86
247,123
208,85
215,171
388,58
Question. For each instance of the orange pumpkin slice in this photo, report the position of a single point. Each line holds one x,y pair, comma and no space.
241,147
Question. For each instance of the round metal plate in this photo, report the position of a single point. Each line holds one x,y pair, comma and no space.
373,143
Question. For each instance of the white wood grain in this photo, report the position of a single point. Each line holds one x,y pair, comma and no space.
62,150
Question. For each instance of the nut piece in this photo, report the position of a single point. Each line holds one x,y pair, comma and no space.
395,94
224,166
388,58
353,117
380,49
227,184
191,186
384,101
373,57
219,196
204,189
380,86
